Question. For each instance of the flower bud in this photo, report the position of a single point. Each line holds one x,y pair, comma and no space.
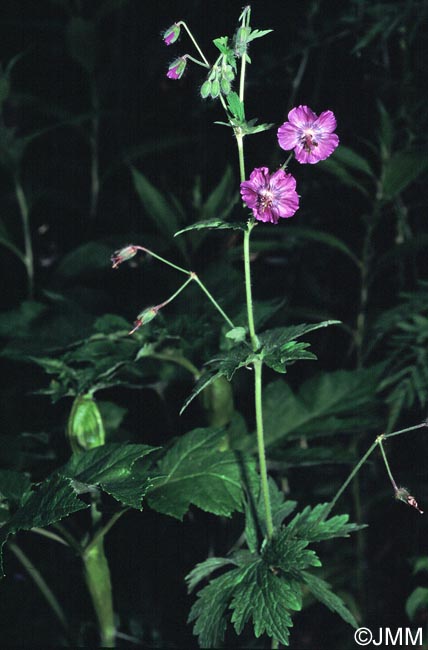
241,40
171,34
177,68
144,317
123,255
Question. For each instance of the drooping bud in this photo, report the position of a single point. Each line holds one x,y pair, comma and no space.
402,494
122,255
144,317
205,90
177,68
85,428
171,34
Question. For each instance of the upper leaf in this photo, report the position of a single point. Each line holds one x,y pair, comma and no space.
197,471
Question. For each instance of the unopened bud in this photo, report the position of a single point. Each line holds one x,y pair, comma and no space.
241,40
177,68
171,34
225,86
144,317
215,89
123,255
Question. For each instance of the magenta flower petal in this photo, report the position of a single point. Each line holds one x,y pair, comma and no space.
310,136
171,34
270,197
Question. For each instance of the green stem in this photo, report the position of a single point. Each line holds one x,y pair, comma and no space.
398,433
49,535
102,532
98,581
344,485
28,246
37,577
191,58
385,460
240,145
162,259
93,138
192,38
175,294
248,291
212,299
261,445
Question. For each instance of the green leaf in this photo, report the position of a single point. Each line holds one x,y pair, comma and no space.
258,33
322,592
156,206
279,347
266,599
283,551
205,569
421,564
112,468
196,471
209,611
213,224
402,170
53,500
235,106
237,334
310,524
417,600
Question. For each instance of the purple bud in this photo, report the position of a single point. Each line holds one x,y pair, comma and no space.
144,317
171,34
402,494
177,67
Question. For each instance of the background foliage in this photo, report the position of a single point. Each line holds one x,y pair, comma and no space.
99,149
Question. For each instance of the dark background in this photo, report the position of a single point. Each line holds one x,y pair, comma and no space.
354,61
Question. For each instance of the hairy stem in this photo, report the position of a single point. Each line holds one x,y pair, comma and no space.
261,445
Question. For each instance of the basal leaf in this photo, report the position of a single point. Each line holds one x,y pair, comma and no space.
196,471
51,501
111,467
322,592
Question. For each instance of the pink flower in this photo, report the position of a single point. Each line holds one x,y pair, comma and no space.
270,197
310,136
176,68
171,34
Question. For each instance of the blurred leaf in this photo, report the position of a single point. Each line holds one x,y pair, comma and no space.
82,42
402,170
85,428
351,159
86,258
417,600
156,206
112,468
338,170
386,133
421,564
321,237
195,471
53,500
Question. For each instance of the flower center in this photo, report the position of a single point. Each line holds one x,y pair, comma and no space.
308,141
265,200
